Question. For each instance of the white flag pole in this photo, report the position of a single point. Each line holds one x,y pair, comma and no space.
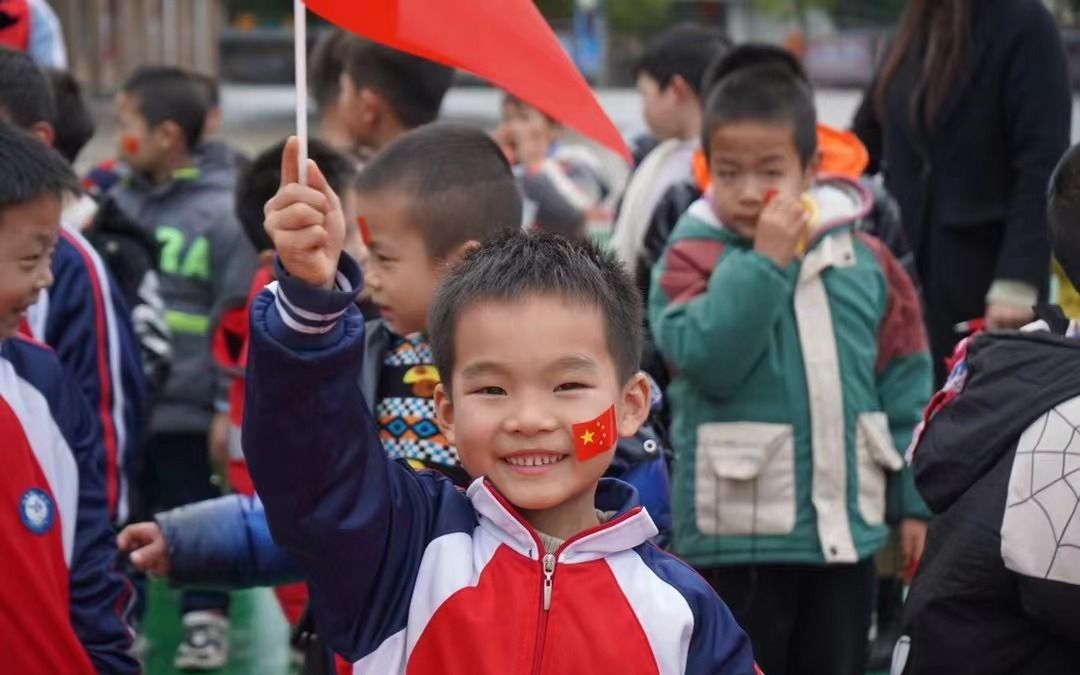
300,37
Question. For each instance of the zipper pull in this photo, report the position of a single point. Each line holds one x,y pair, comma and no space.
549,572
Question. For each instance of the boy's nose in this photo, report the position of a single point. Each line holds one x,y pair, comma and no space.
529,420
44,278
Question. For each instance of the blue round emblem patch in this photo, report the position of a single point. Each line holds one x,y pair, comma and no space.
37,511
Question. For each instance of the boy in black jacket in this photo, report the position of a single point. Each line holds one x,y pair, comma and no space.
998,459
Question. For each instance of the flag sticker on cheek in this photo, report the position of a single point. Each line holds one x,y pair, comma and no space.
596,436
130,145
365,231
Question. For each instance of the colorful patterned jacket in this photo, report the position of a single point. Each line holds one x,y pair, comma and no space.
793,388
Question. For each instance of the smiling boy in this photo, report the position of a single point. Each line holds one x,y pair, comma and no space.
541,567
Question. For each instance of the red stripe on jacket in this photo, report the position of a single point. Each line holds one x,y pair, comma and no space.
108,425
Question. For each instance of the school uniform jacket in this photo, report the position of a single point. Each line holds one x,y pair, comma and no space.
63,605
83,317
408,574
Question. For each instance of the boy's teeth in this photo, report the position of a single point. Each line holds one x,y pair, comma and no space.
533,460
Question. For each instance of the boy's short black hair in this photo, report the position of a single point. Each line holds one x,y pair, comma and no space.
165,93
512,267
1063,211
29,169
25,95
74,125
259,180
459,184
414,87
326,65
766,93
685,50
750,55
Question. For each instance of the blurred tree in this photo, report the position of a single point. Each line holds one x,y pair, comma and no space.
265,10
638,17
556,9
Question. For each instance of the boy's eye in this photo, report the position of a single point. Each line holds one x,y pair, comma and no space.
490,391
571,386
725,174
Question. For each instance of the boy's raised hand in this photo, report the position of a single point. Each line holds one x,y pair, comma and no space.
780,228
149,551
305,222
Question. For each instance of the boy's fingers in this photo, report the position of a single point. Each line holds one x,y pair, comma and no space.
295,193
290,161
308,239
296,217
318,181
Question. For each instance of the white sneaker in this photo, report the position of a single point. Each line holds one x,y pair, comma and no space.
206,642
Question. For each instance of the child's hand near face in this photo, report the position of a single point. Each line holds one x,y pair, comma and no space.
149,552
306,222
781,228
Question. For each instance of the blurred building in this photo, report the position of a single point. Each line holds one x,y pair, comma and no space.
106,39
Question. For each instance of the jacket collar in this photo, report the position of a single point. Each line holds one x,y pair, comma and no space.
630,527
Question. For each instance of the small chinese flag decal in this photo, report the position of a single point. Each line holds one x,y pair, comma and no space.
365,231
595,437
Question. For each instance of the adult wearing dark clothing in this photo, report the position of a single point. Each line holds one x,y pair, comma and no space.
966,118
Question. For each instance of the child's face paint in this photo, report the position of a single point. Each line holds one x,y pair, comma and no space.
526,372
596,436
130,145
365,231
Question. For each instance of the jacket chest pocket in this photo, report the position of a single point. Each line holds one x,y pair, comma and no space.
877,457
745,478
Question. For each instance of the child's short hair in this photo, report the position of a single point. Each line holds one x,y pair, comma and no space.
766,93
1063,211
258,182
459,184
166,94
74,125
414,87
750,55
30,169
25,95
325,66
512,267
685,50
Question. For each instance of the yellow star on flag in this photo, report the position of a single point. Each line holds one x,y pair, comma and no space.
587,437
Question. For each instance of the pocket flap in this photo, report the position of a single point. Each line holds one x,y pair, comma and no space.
875,429
739,450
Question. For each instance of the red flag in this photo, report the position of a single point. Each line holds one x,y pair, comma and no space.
506,42
595,437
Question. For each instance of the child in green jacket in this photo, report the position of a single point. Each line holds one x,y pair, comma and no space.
801,365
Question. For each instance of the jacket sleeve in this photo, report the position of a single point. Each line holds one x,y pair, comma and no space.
904,376
89,328
224,543
1038,112
355,523
700,313
99,595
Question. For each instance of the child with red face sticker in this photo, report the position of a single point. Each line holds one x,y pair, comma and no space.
541,564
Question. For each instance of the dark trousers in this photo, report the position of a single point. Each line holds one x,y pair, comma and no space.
956,266
176,471
801,619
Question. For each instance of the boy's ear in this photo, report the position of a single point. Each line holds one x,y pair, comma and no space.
460,252
681,87
169,135
44,132
634,404
444,412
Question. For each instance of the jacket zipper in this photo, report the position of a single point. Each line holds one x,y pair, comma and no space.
548,566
